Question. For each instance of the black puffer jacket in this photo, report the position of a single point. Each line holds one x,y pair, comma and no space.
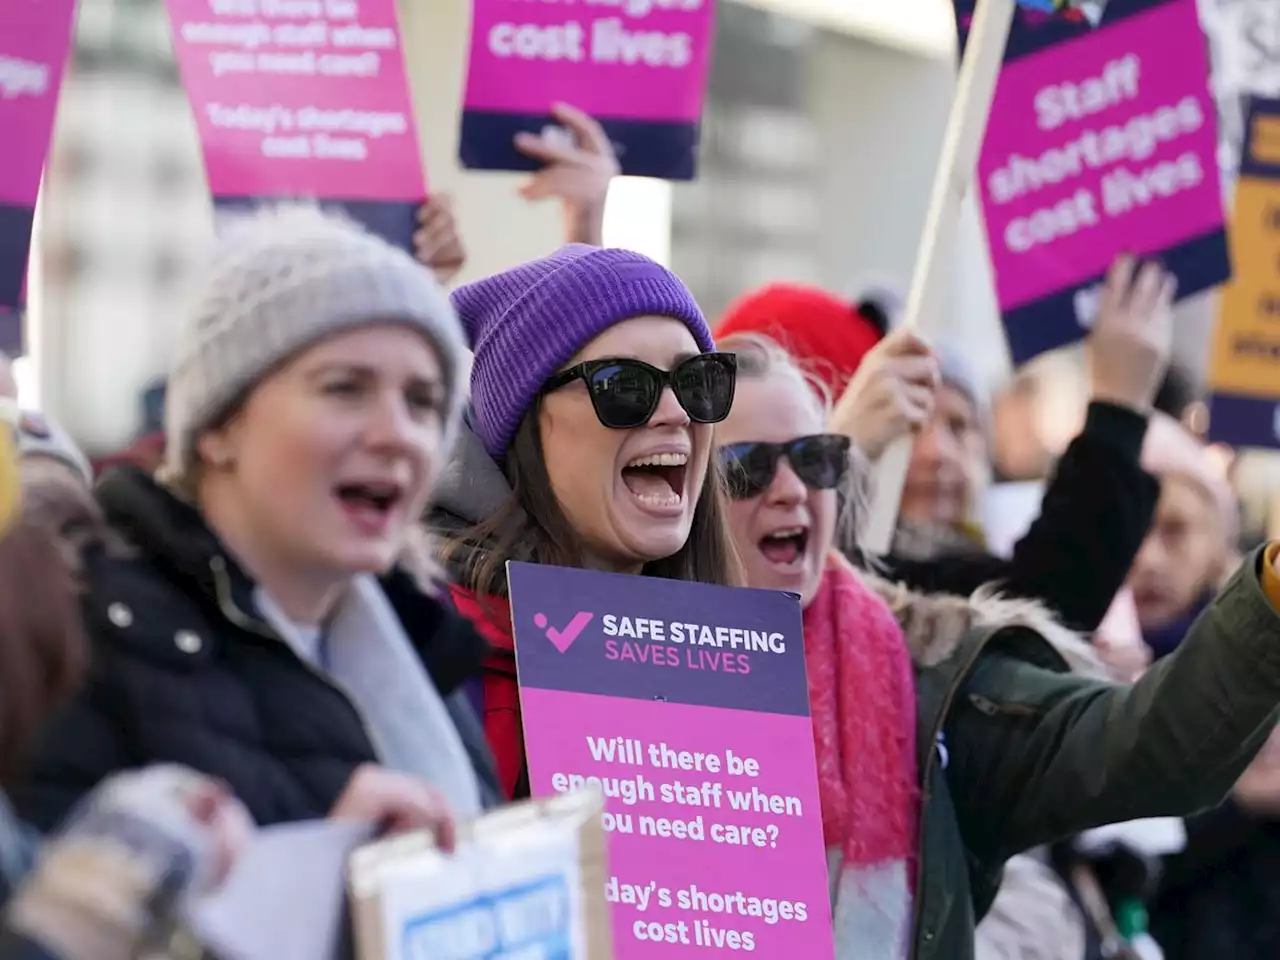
184,671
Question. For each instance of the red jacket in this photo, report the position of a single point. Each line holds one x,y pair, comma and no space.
491,617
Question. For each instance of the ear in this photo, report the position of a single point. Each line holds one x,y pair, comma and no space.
218,447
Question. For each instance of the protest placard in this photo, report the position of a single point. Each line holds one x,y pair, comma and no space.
688,706
303,99
34,38
637,66
526,880
1100,142
1244,366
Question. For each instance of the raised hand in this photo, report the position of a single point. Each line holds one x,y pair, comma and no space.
437,243
578,171
1133,335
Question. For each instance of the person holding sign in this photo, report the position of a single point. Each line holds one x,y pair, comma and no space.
1023,740
594,389
271,625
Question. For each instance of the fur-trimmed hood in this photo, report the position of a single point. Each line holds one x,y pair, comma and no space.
934,625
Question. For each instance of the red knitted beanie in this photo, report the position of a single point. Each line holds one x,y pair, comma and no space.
826,335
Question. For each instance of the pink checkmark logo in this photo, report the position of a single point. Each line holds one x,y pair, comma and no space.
562,640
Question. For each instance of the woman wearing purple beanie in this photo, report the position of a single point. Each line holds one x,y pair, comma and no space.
594,390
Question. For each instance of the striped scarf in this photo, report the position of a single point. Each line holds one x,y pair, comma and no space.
862,697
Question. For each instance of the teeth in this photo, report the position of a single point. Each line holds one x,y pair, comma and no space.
660,499
788,533
661,460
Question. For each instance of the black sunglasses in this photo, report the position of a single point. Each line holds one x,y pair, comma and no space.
820,461
625,392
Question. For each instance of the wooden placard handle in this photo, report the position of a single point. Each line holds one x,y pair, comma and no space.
932,281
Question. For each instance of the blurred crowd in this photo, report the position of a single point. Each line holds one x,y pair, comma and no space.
290,602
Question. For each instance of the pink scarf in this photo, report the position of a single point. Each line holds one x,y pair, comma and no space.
862,696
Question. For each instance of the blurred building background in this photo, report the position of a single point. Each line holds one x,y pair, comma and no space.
823,125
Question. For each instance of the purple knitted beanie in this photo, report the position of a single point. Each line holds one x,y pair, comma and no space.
524,324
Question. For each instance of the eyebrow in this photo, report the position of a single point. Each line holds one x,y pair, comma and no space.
366,372
676,360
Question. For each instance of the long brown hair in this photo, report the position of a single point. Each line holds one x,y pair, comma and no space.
42,644
531,526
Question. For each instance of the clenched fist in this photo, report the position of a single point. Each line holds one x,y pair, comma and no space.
891,394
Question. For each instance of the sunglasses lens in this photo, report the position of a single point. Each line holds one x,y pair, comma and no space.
820,461
624,394
748,468
704,386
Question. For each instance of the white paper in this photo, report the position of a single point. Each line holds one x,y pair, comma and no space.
286,896
515,895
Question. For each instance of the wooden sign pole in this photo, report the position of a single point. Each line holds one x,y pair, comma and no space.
931,285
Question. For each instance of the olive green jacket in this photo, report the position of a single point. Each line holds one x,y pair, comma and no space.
1016,750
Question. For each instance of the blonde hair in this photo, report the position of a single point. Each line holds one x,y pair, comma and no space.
760,358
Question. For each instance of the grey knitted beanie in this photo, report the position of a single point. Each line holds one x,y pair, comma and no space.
279,280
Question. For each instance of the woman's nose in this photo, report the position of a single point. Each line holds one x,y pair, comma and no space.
669,412
390,424
787,488
1150,555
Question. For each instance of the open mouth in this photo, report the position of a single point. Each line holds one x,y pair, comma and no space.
785,547
657,479
369,504
1145,597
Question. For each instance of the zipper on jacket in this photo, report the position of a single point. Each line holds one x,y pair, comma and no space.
961,676
229,609
917,907
993,709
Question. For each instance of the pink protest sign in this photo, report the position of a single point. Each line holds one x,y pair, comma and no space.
301,99
34,38
689,705
1100,142
637,66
